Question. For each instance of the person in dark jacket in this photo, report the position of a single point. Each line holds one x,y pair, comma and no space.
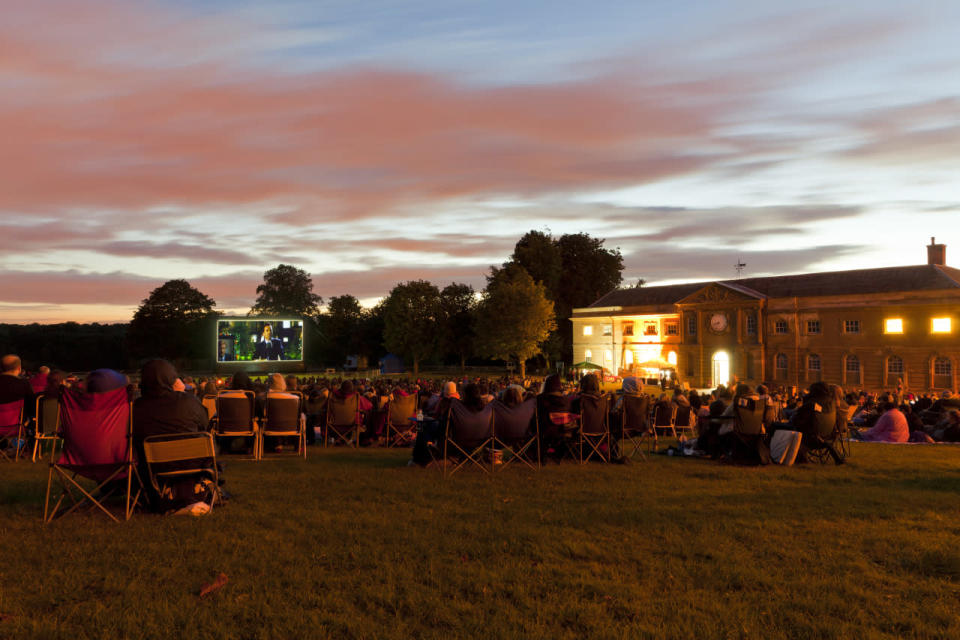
553,400
161,410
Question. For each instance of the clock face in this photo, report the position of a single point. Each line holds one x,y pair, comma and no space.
718,322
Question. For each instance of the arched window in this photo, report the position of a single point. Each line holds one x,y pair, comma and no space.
780,364
852,370
587,355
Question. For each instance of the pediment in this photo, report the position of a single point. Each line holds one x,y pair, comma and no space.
722,292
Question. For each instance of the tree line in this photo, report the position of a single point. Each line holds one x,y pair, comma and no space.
521,314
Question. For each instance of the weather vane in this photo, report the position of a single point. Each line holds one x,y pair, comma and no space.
739,266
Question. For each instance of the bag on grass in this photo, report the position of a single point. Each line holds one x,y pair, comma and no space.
784,446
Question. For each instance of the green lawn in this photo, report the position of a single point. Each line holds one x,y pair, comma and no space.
355,544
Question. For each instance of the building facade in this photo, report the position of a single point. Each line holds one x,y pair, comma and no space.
864,329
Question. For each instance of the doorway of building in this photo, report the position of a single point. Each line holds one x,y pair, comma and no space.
721,368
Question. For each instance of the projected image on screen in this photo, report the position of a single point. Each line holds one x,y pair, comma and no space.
252,340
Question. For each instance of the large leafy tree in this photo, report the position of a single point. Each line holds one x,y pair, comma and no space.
539,254
514,317
286,291
411,321
342,327
175,321
589,272
457,333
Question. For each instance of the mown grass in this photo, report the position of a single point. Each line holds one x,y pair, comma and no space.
353,544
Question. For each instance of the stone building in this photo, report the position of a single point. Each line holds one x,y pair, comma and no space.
868,328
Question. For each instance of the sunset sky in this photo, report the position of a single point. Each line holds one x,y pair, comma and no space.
374,142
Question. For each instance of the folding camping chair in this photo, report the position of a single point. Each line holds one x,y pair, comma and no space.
175,456
284,418
685,419
748,422
664,415
594,427
516,433
236,418
399,428
829,441
96,429
635,421
210,404
343,420
11,428
46,423
469,438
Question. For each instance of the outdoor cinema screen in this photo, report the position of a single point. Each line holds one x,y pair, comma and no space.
250,340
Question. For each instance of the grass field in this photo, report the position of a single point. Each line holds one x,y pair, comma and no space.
353,544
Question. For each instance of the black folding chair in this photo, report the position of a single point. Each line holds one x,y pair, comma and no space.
516,433
469,438
635,421
828,440
594,427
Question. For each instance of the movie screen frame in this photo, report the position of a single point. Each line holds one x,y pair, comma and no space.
240,340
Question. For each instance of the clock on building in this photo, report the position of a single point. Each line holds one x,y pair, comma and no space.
718,322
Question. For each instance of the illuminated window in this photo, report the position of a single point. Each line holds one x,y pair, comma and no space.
942,325
587,355
649,328
780,326
628,328
851,326
628,358
672,358
608,329
673,328
587,330
608,356
893,325
813,326
895,365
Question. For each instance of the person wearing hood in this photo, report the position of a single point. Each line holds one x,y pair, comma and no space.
162,410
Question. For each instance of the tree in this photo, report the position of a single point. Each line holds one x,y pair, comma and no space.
286,291
539,254
457,334
589,272
410,316
174,322
342,327
514,318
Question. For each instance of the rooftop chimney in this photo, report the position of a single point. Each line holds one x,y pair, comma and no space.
936,253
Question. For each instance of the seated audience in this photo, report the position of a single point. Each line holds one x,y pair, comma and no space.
161,410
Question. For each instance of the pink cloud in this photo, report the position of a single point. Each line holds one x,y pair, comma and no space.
94,130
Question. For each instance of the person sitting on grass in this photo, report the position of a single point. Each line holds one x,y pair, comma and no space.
891,426
160,410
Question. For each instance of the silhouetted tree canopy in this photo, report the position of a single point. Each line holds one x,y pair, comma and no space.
286,291
175,321
410,315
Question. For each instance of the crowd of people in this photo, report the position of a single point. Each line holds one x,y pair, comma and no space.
165,403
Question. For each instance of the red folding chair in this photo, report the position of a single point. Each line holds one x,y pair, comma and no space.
11,428
96,429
